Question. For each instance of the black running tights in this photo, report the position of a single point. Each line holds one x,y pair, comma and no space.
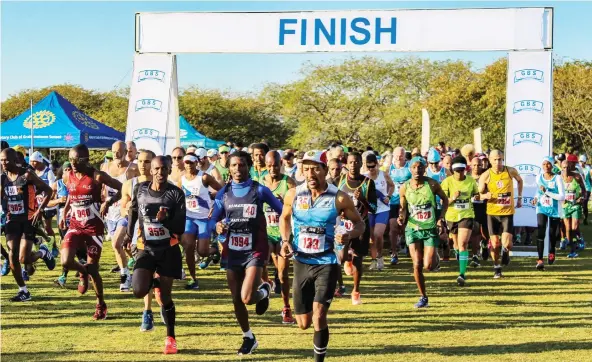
554,224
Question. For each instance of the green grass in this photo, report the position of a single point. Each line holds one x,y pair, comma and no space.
526,316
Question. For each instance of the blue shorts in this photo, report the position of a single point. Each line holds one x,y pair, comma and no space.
113,225
197,227
380,218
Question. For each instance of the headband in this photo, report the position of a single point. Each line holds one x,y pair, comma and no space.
190,158
459,165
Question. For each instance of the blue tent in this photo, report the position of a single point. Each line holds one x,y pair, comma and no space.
190,136
58,124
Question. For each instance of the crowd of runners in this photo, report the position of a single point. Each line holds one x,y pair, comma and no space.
256,213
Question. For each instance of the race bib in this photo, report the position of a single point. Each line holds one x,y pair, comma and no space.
503,199
310,243
240,242
302,202
461,204
546,201
348,225
82,213
422,213
273,218
12,190
570,196
550,184
191,204
155,231
16,207
250,211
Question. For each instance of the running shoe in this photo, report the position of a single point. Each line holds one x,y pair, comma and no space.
287,316
55,251
131,263
115,269
373,265
551,258
263,304
505,257
484,250
423,303
147,322
170,346
356,300
83,284
475,261
25,275
460,281
192,284
48,258
540,265
249,345
497,273
348,268
518,239
340,291
394,260
380,263
126,282
5,268
61,281
100,312
581,243
213,258
563,244
21,296
572,255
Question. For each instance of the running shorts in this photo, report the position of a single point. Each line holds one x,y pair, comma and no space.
313,283
361,245
380,218
197,227
466,223
17,229
500,224
480,213
75,239
573,212
166,262
48,214
113,225
239,262
394,211
428,237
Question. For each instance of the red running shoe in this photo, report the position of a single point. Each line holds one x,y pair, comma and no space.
100,312
551,258
83,284
170,346
287,316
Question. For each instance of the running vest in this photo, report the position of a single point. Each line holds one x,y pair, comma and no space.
210,168
246,222
62,191
439,176
271,217
381,192
421,203
587,178
501,187
257,175
85,202
462,208
313,226
573,191
154,234
45,178
114,212
197,197
224,172
20,198
399,177
545,204
363,187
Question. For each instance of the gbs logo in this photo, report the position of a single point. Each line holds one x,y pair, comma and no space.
530,137
528,105
529,74
528,169
145,133
526,202
150,74
183,133
148,103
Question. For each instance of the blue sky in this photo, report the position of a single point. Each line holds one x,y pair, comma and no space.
92,43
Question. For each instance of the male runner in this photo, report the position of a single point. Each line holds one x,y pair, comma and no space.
22,212
299,177
498,187
587,170
279,184
258,171
222,164
86,229
289,161
213,155
204,163
334,174
194,184
363,193
310,214
131,152
399,173
178,167
121,170
418,213
159,208
572,206
480,234
438,173
46,174
240,204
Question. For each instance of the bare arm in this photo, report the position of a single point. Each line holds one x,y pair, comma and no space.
403,200
105,179
514,173
483,180
125,197
437,190
390,186
286,216
345,206
212,182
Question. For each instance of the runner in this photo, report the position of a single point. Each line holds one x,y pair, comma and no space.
548,201
418,215
289,164
131,152
121,170
399,173
460,190
240,206
86,229
279,184
258,171
222,164
22,212
204,163
194,184
178,166
587,170
496,185
46,174
439,173
334,174
363,193
572,206
447,163
378,220
159,208
213,155
310,214
299,177
480,235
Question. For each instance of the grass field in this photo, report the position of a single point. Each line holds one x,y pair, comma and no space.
526,316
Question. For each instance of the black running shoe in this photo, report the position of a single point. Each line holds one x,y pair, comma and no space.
497,273
249,345
263,304
484,250
505,257
21,296
460,281
115,269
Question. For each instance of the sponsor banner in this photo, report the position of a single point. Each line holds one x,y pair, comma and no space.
347,31
528,122
149,102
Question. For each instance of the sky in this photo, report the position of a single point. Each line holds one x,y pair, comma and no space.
91,44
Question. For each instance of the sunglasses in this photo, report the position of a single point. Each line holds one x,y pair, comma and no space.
370,166
177,157
222,153
79,159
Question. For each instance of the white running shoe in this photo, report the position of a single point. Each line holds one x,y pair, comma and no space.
126,283
380,263
373,265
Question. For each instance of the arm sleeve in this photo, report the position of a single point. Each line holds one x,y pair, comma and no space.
267,196
218,210
372,196
176,223
133,212
560,195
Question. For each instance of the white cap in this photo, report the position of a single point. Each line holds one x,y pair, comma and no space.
191,149
316,156
583,158
201,152
36,156
212,152
245,149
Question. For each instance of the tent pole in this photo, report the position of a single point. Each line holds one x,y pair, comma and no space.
32,126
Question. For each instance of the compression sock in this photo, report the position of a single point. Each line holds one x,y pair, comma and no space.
320,340
168,312
463,261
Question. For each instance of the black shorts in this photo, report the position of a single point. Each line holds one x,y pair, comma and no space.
18,229
394,211
313,283
239,262
466,223
48,214
361,245
480,213
500,224
166,262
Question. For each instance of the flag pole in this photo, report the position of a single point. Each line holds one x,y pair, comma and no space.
32,126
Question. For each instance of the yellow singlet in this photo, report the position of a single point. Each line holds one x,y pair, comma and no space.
501,187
